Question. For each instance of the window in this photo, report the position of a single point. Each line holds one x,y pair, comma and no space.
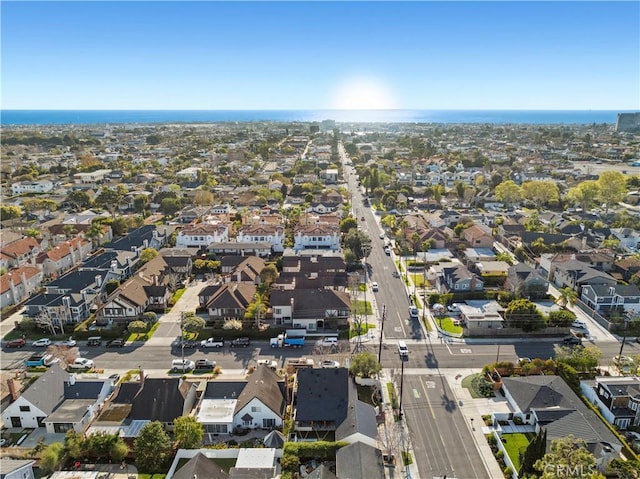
215,428
25,409
268,423
255,408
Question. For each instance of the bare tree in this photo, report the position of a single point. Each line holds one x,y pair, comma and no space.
46,321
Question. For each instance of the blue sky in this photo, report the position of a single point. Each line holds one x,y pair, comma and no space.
320,55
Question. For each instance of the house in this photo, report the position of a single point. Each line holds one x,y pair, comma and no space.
327,405
242,269
457,279
273,234
492,268
263,250
39,187
190,214
18,284
475,255
525,282
146,236
202,235
179,261
610,298
477,237
629,238
58,401
547,402
626,268
312,272
64,256
228,300
200,466
310,309
318,236
20,252
151,399
360,461
617,399
16,468
575,274
481,317
258,403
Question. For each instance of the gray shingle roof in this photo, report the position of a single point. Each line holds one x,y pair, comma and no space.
200,466
47,392
359,461
263,384
323,395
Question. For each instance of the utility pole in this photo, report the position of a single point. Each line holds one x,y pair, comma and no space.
182,335
401,385
624,339
384,316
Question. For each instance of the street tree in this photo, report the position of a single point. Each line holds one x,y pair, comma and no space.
188,432
567,296
568,457
365,365
193,324
582,359
153,448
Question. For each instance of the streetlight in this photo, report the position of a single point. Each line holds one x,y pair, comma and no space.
182,335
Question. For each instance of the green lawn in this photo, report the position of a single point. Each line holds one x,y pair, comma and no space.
418,280
447,325
364,328
177,295
144,336
362,307
515,444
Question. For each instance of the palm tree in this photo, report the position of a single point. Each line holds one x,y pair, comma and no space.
567,296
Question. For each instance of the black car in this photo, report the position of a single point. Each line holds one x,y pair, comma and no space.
115,343
240,342
572,341
205,364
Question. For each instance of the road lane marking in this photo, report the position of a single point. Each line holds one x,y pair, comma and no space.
401,321
416,393
430,384
426,397
465,351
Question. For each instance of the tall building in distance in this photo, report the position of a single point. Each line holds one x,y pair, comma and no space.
628,122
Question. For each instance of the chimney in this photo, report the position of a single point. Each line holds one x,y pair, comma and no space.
12,389
114,264
98,280
72,379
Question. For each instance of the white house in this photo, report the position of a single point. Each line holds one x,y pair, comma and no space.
261,233
16,468
201,235
57,401
42,186
319,236
18,284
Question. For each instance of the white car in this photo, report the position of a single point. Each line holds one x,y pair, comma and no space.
579,324
270,363
42,342
381,235
374,287
81,363
68,342
329,341
330,364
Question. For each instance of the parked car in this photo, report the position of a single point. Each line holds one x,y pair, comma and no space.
579,324
205,364
16,343
240,342
67,342
212,343
329,341
571,341
328,363
42,342
374,287
115,343
81,363
270,363
182,365
94,341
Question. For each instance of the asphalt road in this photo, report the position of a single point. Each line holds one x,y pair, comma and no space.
442,443
380,268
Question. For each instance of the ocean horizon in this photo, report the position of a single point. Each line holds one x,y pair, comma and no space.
102,117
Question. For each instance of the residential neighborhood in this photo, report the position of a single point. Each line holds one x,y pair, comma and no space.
250,294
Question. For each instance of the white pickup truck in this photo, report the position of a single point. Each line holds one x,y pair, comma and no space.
212,343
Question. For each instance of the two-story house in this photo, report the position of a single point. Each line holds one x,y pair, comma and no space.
21,252
63,257
273,234
228,300
457,279
18,284
477,237
617,399
609,298
310,309
318,236
202,235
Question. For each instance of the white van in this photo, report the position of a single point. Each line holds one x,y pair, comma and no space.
178,365
403,351
579,324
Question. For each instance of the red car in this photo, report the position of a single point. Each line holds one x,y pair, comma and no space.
16,343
